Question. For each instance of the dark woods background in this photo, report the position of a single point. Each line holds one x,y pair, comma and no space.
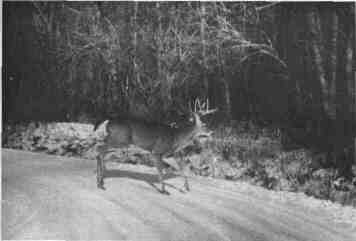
289,65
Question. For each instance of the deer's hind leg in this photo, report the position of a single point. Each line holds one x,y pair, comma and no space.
159,166
100,168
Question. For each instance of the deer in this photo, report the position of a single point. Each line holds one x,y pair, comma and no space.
161,140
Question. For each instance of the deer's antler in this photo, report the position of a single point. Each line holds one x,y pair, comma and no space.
203,108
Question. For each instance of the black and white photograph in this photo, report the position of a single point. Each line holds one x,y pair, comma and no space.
178,120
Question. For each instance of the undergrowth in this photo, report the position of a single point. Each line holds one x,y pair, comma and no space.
255,154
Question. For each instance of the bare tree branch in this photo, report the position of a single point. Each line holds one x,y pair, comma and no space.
260,8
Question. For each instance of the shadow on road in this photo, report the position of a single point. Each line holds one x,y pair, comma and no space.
151,179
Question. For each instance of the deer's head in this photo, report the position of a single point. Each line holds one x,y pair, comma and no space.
200,109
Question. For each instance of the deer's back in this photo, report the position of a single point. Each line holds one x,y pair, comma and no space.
151,137
118,134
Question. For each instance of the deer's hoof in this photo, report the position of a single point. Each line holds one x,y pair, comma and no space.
186,186
100,184
165,192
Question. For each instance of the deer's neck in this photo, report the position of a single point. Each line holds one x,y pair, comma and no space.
185,137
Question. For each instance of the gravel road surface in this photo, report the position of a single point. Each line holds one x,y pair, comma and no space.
50,197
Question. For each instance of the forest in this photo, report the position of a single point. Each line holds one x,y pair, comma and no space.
288,68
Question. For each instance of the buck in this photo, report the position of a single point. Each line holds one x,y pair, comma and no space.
160,140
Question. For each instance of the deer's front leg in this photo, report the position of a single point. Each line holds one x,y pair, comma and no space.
100,168
100,173
182,171
159,166
186,183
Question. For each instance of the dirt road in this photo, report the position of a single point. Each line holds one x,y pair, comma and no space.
49,197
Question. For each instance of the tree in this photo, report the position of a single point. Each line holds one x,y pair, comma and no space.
314,26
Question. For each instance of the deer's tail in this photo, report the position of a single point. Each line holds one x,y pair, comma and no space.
97,124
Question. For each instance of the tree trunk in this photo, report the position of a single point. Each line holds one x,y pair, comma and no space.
351,91
344,139
163,76
203,43
159,43
349,73
225,83
333,57
354,78
134,43
312,16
